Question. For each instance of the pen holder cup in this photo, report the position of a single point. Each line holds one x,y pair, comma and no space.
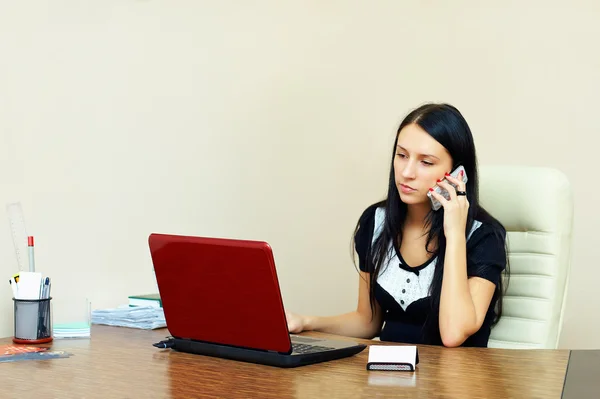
33,321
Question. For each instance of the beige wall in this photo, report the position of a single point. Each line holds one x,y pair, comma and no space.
272,120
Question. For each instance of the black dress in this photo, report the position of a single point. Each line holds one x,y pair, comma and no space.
402,291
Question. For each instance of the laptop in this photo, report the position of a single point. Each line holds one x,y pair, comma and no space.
221,298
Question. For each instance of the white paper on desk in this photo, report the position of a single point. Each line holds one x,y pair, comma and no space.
393,358
28,286
144,317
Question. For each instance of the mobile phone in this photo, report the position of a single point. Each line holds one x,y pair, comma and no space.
435,204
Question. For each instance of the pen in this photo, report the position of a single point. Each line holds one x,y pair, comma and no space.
44,307
31,259
46,290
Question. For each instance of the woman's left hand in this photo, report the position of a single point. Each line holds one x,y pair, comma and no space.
456,209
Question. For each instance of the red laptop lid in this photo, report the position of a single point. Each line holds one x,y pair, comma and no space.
220,290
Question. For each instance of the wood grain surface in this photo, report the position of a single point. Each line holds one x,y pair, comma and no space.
122,363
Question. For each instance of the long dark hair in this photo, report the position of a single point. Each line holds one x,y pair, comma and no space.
447,126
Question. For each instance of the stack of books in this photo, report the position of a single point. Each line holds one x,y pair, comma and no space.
145,300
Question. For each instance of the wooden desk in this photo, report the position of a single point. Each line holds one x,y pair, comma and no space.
122,363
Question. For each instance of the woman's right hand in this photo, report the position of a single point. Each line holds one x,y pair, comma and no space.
296,323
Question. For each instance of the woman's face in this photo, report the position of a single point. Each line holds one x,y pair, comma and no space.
419,162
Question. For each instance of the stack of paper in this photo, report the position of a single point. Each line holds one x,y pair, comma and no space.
144,317
71,330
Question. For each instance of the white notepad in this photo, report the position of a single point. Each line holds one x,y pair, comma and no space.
29,285
393,358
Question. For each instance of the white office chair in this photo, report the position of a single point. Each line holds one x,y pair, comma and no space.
535,205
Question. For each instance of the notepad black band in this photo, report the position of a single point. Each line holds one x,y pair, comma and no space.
390,366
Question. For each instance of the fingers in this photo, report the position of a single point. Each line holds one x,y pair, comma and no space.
461,186
451,190
439,197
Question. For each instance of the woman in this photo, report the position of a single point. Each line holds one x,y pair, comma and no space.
433,277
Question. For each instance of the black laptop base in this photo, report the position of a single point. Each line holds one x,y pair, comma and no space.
262,357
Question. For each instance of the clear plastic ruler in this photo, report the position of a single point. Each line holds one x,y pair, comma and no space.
19,233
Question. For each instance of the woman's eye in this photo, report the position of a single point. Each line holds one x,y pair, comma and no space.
426,163
401,155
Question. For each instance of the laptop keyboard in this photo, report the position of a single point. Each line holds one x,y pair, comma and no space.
304,348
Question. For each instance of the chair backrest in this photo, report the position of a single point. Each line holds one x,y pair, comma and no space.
535,205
